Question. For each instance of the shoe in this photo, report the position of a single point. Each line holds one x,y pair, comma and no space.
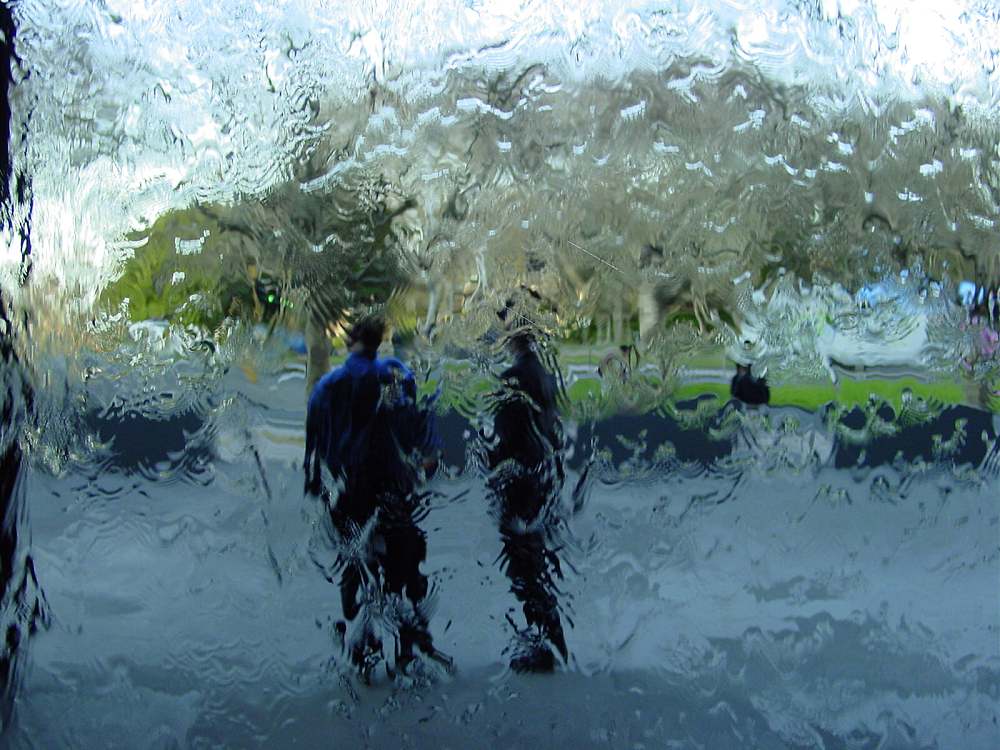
540,661
365,656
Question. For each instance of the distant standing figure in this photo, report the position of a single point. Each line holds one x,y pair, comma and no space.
747,388
526,479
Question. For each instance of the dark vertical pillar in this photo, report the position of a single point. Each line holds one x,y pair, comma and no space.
22,604
16,199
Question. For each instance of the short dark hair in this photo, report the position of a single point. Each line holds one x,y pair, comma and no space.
369,331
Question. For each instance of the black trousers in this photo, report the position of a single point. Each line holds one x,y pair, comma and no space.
394,553
530,564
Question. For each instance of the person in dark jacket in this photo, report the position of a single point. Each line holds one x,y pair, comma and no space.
747,388
527,475
365,425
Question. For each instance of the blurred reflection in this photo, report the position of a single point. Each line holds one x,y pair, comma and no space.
683,176
365,424
526,479
22,604
619,364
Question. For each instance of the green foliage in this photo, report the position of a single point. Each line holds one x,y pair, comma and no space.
358,266
584,388
149,284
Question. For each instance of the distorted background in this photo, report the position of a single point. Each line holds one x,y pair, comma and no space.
200,197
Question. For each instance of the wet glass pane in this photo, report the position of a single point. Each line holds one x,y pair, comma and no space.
460,374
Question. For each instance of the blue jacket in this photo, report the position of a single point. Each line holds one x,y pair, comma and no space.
343,410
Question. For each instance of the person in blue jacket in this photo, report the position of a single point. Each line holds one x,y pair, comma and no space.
364,424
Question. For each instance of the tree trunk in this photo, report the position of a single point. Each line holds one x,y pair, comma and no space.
433,303
650,312
618,315
319,350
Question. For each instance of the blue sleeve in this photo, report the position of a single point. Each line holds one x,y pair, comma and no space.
319,427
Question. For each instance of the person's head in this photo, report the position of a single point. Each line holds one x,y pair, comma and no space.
505,313
366,335
521,341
